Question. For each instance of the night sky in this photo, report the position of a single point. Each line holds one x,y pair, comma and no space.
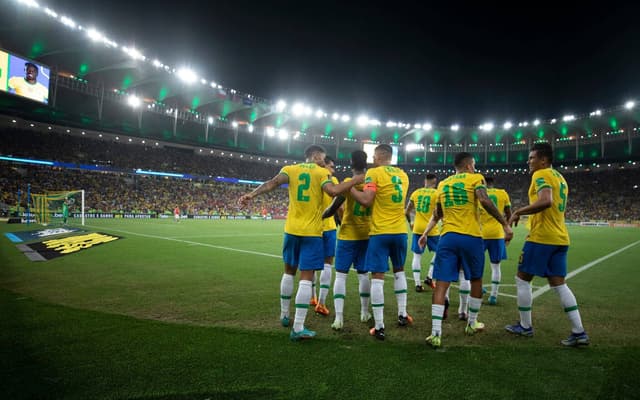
441,63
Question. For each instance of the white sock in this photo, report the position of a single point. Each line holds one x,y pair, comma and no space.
325,282
286,290
430,273
474,309
314,284
400,288
570,305
465,290
377,301
495,279
437,311
303,297
364,287
525,300
416,268
339,292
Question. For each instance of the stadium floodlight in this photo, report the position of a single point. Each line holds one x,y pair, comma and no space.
345,118
487,126
270,131
319,113
525,123
234,124
595,113
283,134
335,116
553,120
210,120
68,22
250,128
213,84
156,63
133,53
455,127
536,122
203,81
281,105
297,109
134,101
362,120
568,118
507,125
391,124
95,35
427,126
629,104
374,122
187,75
29,3
51,13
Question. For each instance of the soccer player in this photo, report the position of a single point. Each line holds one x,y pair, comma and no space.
28,86
302,247
545,249
423,200
353,238
385,191
460,244
65,211
176,214
329,242
493,235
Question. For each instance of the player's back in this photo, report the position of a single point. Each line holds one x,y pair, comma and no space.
392,185
548,226
457,196
304,217
356,218
424,201
491,228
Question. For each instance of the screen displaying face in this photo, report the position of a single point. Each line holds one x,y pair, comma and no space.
370,150
24,77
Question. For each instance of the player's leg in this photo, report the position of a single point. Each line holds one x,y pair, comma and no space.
329,244
310,260
416,268
432,245
463,293
290,257
344,259
533,261
376,262
364,283
397,253
473,266
445,271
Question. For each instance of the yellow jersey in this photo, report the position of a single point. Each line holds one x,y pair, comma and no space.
424,202
457,197
306,180
328,224
356,218
391,185
491,228
547,226
34,91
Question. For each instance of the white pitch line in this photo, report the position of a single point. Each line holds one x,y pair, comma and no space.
585,267
189,242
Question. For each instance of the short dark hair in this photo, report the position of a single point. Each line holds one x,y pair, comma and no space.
489,180
314,148
358,160
462,159
430,176
385,148
543,150
328,159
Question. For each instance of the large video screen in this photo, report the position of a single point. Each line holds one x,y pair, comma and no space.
24,77
370,149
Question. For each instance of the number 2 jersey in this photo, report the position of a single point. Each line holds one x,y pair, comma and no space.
391,185
547,226
304,217
457,197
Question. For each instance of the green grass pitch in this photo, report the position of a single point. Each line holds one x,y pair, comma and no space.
190,310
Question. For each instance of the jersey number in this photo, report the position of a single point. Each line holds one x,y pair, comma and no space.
424,202
305,182
397,185
459,194
360,211
563,196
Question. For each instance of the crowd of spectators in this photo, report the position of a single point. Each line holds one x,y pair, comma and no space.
602,195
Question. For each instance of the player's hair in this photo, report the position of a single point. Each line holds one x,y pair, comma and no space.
489,180
30,64
358,160
543,150
462,159
328,159
430,177
385,150
314,148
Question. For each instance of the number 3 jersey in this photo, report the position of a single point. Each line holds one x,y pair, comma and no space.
391,185
457,197
304,217
547,226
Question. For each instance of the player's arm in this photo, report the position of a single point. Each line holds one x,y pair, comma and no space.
487,204
545,200
507,212
407,211
334,189
367,195
435,217
334,206
265,187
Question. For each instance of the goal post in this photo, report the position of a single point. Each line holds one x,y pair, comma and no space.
58,206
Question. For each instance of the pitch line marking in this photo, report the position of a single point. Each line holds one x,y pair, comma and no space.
585,267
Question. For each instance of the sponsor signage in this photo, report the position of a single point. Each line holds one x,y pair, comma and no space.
28,236
54,248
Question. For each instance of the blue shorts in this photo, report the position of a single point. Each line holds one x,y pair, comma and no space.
456,251
432,243
304,252
543,259
329,243
497,250
383,247
351,252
